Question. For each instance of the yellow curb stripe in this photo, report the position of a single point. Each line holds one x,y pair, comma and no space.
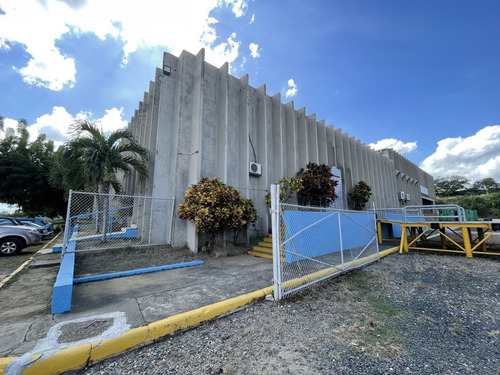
21,267
392,250
4,362
71,358
195,317
106,348
294,283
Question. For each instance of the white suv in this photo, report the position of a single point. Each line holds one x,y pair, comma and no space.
14,238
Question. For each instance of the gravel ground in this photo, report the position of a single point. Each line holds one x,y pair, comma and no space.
416,313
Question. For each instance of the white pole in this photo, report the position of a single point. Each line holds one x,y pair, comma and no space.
275,222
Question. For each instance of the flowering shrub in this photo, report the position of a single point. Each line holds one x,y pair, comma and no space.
214,206
288,186
318,187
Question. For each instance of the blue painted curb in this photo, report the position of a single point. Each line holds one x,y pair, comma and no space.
138,271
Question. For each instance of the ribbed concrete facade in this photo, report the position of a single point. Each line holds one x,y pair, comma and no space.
198,120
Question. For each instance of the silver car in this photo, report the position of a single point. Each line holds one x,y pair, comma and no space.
14,238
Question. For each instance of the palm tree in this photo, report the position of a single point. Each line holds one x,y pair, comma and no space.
99,156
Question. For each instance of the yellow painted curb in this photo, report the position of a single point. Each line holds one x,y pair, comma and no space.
392,250
4,362
107,348
294,283
192,318
71,358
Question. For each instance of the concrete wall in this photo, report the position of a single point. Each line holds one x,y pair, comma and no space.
201,121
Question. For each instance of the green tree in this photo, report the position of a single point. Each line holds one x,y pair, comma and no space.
24,174
360,195
318,186
92,159
95,157
450,186
485,186
288,186
214,206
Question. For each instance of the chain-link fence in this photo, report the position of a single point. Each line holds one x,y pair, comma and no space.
311,244
97,221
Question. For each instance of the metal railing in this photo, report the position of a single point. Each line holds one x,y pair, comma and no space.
423,213
102,221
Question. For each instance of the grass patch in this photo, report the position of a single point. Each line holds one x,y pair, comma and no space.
385,307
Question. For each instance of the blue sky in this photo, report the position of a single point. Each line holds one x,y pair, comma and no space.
420,77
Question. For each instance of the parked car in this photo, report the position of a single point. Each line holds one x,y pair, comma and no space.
5,220
14,238
39,221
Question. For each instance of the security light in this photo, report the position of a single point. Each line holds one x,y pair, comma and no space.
166,70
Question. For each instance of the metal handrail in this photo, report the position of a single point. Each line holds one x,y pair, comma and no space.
418,212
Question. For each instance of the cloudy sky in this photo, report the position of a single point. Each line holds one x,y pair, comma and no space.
420,77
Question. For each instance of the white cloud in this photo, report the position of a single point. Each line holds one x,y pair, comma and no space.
56,125
239,7
173,25
223,52
292,89
254,50
474,157
113,120
395,144
47,67
252,20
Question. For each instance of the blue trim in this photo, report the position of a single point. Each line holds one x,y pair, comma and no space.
57,249
63,287
138,271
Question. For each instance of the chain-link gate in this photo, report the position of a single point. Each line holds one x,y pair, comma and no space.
311,244
97,221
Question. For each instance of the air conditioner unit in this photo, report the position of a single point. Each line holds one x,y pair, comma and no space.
407,197
255,169
402,195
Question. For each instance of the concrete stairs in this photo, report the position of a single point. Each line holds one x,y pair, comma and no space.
264,249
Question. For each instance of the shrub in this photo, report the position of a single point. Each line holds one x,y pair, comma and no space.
288,186
318,187
214,206
360,195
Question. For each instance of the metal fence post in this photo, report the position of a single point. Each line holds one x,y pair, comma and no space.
171,221
67,226
340,240
275,222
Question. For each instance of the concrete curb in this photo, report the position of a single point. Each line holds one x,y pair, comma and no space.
77,357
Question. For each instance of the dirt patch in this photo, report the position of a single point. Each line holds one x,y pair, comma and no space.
125,259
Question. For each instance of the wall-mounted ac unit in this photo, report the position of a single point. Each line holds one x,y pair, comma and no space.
402,195
255,169
407,197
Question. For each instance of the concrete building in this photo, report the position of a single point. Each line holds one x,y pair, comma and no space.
198,120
